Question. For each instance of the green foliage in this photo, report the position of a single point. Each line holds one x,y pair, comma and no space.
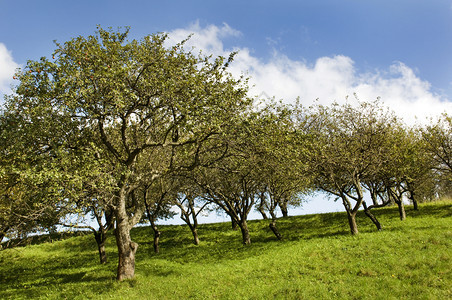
111,115
438,143
315,258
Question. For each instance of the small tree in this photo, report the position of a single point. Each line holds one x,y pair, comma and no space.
231,183
157,197
349,150
231,187
438,143
100,211
282,157
189,201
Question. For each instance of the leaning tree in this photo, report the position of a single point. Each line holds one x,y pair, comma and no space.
349,150
282,173
438,143
137,99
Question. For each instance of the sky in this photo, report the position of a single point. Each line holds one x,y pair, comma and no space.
317,50
398,50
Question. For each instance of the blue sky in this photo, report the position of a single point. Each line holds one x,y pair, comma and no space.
374,34
398,50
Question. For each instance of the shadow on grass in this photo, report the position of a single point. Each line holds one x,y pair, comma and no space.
43,238
67,286
55,267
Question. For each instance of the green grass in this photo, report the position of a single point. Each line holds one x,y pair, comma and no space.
318,259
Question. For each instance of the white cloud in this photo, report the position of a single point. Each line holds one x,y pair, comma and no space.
404,92
328,79
207,39
7,69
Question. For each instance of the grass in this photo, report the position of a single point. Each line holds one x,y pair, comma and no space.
318,258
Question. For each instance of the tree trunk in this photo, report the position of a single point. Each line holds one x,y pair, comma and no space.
352,222
126,250
351,215
245,232
156,237
193,227
234,224
275,230
126,247
100,240
373,196
194,231
2,235
156,241
284,210
371,216
412,196
415,206
401,207
102,253
413,200
264,215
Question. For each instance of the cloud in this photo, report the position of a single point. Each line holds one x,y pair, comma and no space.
327,79
208,39
7,69
404,92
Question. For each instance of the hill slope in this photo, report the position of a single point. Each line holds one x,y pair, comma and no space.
316,259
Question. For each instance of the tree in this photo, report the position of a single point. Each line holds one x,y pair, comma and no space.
30,197
438,143
231,183
348,150
136,99
231,187
387,185
101,211
411,169
407,173
189,201
282,171
157,198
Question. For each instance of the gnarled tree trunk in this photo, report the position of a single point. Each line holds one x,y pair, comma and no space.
352,222
412,196
126,251
234,224
156,237
401,207
283,207
371,216
397,196
194,231
100,240
351,214
261,206
275,230
262,212
272,224
188,211
126,247
413,200
245,232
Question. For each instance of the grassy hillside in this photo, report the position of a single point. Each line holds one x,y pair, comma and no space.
318,259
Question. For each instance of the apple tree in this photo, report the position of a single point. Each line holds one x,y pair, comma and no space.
134,102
